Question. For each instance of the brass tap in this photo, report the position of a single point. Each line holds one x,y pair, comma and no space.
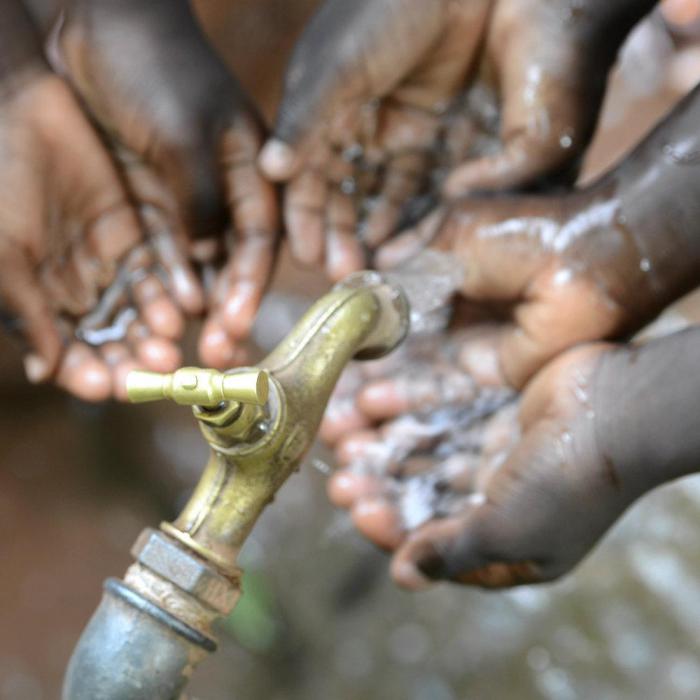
259,423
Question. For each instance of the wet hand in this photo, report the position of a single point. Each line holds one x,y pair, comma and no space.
67,228
523,502
187,140
557,270
364,95
358,129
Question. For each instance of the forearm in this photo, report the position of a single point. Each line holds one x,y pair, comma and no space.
646,402
20,44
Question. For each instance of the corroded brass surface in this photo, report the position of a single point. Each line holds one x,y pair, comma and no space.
254,450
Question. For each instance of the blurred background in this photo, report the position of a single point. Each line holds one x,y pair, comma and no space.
320,618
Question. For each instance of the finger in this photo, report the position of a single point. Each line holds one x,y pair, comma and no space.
215,347
112,236
344,253
543,330
451,549
304,212
457,473
120,361
83,374
523,159
403,179
342,417
501,432
421,389
422,558
379,521
255,215
20,291
357,446
404,247
169,242
158,310
380,451
159,355
66,279
155,354
480,356
346,487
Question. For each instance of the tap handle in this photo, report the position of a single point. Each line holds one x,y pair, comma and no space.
192,386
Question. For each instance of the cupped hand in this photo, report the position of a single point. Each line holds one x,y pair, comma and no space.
66,230
559,270
187,139
366,99
522,501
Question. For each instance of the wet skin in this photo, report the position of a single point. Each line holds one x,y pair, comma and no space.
187,139
379,74
67,226
572,268
588,443
586,265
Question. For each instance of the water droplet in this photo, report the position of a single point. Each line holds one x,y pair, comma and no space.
477,499
645,264
353,152
566,141
348,186
321,466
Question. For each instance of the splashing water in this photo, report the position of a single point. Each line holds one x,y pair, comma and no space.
430,280
109,321
457,410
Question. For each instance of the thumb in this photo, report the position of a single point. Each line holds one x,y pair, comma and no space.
430,554
501,242
524,159
454,550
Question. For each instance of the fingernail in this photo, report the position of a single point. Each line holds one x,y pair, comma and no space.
36,368
277,159
189,294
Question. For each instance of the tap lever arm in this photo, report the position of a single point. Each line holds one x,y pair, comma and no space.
192,386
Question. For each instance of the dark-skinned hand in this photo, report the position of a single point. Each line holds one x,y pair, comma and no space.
186,138
586,265
67,228
529,499
367,91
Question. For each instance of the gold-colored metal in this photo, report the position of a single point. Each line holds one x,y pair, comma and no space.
192,386
256,448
